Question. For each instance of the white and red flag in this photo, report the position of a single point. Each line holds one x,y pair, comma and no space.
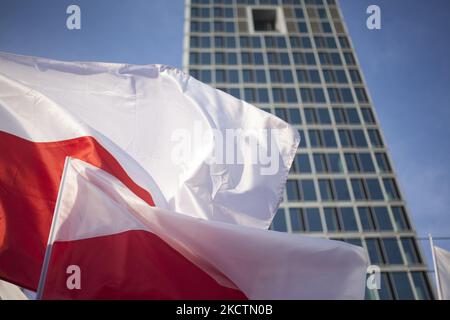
107,243
145,125
170,200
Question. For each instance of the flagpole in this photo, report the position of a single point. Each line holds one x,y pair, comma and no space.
51,236
436,273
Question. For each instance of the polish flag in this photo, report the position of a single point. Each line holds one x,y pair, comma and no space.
133,122
107,243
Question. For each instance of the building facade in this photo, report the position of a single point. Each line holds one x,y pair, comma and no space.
294,58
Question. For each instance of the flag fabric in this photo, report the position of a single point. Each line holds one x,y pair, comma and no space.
8,291
121,247
130,121
443,271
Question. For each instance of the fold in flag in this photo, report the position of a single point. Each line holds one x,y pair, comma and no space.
140,124
443,272
107,243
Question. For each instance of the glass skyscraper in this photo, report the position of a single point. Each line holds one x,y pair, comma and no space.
294,58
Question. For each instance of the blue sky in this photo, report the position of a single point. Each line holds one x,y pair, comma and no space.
406,65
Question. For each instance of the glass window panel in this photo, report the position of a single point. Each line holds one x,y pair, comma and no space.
326,27
345,138
284,58
331,43
385,291
340,76
279,221
258,58
348,219
256,42
329,138
375,138
341,189
365,217
263,95
368,116
303,163
260,76
206,42
328,75
287,76
366,162
302,76
310,59
336,59
218,42
319,97
350,160
309,193
392,251
302,27
314,76
291,95
220,75
275,75
206,76
220,58
292,190
277,95
294,116
302,139
355,76
335,163
205,27
410,250
229,12
361,95
338,116
231,58
374,189
402,286
383,219
347,96
281,113
331,219
355,241
281,42
249,94
235,92
352,116
422,287
230,27
374,251
319,162
323,116
391,189
205,58
248,75
326,192
314,138
313,217
310,115
231,42
246,58
297,223
400,219
233,76
359,139
383,162
358,191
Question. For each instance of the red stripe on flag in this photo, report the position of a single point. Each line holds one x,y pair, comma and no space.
129,265
30,173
